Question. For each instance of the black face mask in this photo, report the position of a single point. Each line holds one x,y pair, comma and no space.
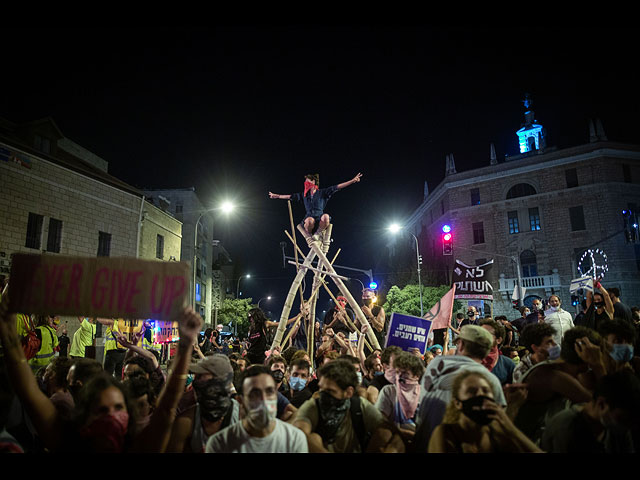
598,304
471,314
367,301
332,412
214,399
481,417
277,375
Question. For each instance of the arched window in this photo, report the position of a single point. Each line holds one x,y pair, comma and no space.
521,190
529,264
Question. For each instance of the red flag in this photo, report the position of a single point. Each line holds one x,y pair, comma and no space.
440,313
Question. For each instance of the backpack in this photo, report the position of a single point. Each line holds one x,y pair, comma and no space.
31,343
357,421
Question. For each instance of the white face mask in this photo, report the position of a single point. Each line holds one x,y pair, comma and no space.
553,309
262,414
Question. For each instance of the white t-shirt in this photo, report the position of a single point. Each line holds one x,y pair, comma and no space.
285,438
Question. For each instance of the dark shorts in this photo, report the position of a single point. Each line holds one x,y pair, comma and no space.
316,221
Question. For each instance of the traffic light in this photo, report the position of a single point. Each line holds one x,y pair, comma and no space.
447,240
575,300
515,304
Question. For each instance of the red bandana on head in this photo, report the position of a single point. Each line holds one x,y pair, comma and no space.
309,186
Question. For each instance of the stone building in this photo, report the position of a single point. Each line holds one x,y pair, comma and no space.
58,198
185,206
545,213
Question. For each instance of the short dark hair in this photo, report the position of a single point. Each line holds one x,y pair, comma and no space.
498,328
534,334
615,291
85,369
142,362
301,363
342,372
349,358
409,361
368,362
276,359
388,352
313,176
253,371
620,328
568,350
60,367
138,386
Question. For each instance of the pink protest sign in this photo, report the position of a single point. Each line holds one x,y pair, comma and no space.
98,287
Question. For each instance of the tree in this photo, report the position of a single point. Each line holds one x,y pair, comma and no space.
407,300
233,311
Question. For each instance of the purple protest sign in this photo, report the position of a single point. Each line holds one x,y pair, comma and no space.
406,331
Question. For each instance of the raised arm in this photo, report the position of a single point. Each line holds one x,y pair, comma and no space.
279,196
122,340
39,408
155,438
355,179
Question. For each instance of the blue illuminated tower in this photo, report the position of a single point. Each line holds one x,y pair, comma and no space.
532,136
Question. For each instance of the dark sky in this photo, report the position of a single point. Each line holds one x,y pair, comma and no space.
240,111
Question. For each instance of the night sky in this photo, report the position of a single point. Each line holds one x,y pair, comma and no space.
237,112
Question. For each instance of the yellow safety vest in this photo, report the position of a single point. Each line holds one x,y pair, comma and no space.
47,347
110,342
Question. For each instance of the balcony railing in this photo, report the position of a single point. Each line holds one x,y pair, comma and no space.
539,282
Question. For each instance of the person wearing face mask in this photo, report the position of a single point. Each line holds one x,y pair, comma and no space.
398,402
388,373
538,340
601,425
299,378
558,318
475,423
335,317
214,410
277,365
315,199
599,307
473,345
375,315
554,386
339,421
620,337
259,431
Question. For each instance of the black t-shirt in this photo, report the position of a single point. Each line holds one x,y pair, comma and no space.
379,381
63,342
257,346
339,326
622,311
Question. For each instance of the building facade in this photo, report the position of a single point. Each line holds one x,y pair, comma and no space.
544,216
57,198
196,219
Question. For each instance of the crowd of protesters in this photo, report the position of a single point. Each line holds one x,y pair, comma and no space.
545,382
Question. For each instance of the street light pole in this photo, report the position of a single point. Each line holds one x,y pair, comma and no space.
263,298
226,208
419,279
238,284
396,228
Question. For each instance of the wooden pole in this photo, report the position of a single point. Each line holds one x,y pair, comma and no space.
295,251
284,316
343,289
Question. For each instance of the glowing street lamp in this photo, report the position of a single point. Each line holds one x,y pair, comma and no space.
395,228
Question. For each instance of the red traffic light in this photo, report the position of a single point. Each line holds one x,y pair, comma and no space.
446,237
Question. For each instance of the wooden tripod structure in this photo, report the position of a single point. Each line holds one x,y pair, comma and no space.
318,247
